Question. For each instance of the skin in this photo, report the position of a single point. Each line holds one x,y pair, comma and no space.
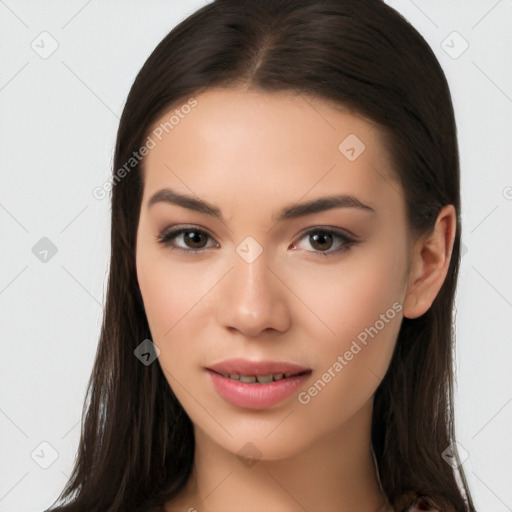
251,154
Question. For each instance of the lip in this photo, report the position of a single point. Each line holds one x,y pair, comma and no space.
248,367
257,395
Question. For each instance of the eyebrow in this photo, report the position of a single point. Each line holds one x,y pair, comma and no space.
320,204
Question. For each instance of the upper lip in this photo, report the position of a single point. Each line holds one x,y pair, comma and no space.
248,367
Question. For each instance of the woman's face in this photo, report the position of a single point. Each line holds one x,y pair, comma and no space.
260,277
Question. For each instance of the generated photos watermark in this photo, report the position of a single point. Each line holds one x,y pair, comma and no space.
304,397
152,140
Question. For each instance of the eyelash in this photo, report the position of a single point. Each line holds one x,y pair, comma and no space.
165,238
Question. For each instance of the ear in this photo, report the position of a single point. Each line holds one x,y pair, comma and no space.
431,256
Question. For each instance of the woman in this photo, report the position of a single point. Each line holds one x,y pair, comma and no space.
285,250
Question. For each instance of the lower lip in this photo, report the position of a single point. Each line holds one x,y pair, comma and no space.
255,396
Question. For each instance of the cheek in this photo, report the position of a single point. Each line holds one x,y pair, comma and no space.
351,295
166,298
160,295
169,291
172,295
166,301
359,301
353,362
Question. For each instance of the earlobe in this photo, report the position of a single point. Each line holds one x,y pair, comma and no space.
430,262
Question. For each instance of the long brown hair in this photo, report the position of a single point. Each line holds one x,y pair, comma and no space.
137,445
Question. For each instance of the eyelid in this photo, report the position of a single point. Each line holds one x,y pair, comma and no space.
341,232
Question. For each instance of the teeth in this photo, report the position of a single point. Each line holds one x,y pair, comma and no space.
260,379
264,378
249,379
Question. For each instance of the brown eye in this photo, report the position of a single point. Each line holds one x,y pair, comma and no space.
322,241
193,240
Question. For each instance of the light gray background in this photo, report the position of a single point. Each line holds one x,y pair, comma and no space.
59,117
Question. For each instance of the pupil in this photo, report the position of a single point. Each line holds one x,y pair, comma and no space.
194,237
321,240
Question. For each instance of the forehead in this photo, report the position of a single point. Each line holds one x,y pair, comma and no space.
279,145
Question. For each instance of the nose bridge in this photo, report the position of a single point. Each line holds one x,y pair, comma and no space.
254,300
250,279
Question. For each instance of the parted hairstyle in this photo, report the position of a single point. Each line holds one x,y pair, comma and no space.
136,447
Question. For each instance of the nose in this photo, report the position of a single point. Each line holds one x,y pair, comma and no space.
253,299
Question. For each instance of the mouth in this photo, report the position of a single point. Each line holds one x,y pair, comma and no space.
261,379
256,384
